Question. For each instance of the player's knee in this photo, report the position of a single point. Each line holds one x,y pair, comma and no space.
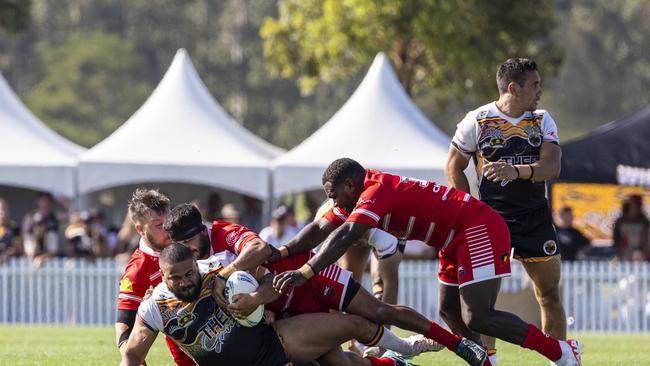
449,316
477,321
550,297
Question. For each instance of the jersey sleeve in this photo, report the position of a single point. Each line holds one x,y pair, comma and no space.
336,216
231,237
150,313
549,129
372,205
466,137
132,287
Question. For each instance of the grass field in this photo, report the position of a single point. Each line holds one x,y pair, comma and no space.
58,346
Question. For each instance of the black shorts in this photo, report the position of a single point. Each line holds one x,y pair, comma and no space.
532,235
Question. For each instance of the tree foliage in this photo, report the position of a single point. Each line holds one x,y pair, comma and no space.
14,15
453,47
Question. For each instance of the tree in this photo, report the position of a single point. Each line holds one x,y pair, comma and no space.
14,14
85,94
453,47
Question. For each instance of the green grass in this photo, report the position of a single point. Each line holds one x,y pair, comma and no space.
54,346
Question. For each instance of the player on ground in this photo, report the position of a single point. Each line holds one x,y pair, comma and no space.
331,289
148,210
516,149
184,308
473,243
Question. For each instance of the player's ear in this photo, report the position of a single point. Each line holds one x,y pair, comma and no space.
138,228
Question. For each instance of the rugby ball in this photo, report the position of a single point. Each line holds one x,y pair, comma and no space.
241,282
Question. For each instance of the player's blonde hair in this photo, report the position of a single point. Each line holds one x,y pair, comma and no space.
144,200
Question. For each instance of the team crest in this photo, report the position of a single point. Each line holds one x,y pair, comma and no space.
186,320
328,291
534,134
550,247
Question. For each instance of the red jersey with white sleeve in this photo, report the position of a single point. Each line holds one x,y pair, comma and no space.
327,290
440,216
141,272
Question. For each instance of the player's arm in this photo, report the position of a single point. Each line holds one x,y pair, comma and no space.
307,239
123,327
254,253
332,249
457,162
139,343
547,167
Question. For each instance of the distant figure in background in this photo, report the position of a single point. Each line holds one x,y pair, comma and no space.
10,244
128,239
40,230
279,232
252,213
573,245
230,213
631,231
213,206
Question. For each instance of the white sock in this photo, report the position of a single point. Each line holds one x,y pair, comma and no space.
391,341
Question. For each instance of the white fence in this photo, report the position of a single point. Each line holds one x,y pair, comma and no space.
598,296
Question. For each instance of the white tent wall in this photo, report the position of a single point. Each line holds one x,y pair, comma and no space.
31,154
180,134
379,126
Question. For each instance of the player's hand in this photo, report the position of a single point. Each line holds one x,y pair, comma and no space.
218,287
148,293
243,305
285,281
499,171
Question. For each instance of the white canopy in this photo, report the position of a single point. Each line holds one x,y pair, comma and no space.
379,126
180,134
31,154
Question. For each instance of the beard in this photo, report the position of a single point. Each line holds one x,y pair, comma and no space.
154,243
188,293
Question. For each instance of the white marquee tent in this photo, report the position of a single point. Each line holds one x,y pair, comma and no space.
180,134
31,154
379,126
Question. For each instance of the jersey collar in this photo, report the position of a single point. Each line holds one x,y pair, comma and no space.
147,249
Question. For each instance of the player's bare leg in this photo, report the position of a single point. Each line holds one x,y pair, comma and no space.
546,283
385,277
355,260
451,312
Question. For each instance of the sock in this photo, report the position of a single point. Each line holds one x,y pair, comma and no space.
542,343
443,336
381,361
492,356
391,341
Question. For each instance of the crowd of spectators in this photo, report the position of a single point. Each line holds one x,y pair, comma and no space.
45,232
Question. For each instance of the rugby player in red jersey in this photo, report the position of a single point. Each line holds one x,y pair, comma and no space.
331,289
472,238
148,210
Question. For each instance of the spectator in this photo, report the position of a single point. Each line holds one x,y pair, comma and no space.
78,235
230,213
280,231
252,214
631,230
10,244
128,239
213,206
40,230
573,245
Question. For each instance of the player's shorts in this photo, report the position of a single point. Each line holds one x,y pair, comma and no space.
333,288
479,252
532,235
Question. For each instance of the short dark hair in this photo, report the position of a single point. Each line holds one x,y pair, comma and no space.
183,222
175,253
513,69
144,200
341,169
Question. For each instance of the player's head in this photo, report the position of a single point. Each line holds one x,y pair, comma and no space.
184,225
148,209
519,79
180,272
343,182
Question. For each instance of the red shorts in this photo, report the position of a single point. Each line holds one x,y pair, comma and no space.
479,252
330,289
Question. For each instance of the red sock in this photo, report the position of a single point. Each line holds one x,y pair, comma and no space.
381,361
542,343
443,336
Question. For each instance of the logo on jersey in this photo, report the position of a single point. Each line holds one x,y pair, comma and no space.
186,320
231,238
126,285
495,138
362,201
550,247
534,134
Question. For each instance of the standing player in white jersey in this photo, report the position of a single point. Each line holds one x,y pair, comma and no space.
516,150
472,238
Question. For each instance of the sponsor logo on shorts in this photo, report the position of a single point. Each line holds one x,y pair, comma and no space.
505,257
550,247
328,291
461,271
